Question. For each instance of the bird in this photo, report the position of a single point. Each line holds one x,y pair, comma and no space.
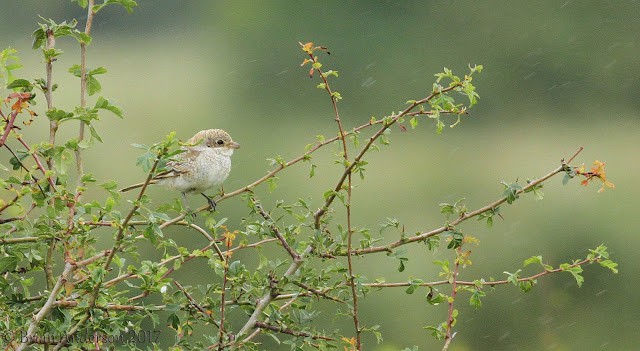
204,163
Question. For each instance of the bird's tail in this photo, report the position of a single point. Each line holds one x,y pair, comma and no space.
136,186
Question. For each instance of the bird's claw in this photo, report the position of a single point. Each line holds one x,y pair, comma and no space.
211,202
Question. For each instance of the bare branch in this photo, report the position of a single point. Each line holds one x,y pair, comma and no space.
274,228
36,319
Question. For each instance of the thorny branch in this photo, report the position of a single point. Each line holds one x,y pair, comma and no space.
253,324
309,49
490,283
463,217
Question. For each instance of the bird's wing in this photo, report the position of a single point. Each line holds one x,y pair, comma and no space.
174,169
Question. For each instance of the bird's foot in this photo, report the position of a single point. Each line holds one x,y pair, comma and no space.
187,209
190,213
211,202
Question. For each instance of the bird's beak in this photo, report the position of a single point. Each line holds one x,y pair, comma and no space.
234,145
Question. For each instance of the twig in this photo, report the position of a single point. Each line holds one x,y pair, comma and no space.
8,127
463,217
392,120
318,292
111,253
48,90
25,239
197,306
574,155
38,163
36,319
83,89
288,331
481,283
225,279
113,307
26,169
451,300
291,297
269,296
274,228
349,171
166,261
10,203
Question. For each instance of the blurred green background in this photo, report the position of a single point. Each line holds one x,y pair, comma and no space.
558,75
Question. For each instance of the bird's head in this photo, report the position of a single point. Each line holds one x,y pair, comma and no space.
213,139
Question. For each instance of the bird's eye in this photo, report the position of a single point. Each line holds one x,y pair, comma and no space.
219,142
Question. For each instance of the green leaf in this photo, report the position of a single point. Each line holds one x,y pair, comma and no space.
600,251
105,104
533,259
401,268
610,265
273,183
88,178
82,3
513,277
235,268
539,195
415,283
82,37
8,264
109,204
39,37
575,272
413,122
446,208
435,299
20,83
97,274
93,86
511,191
9,61
94,133
526,285
75,70
456,239
55,114
438,332
127,4
331,73
474,300
110,185
96,71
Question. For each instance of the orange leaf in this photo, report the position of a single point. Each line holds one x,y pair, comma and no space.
307,47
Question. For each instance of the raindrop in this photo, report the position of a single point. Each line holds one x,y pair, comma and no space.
368,82
610,64
504,336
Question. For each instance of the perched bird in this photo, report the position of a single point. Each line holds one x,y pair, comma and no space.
205,163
